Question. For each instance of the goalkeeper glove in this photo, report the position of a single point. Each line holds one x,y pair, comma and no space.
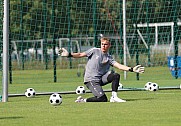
137,69
64,53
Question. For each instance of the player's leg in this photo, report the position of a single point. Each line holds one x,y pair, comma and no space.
111,77
97,99
114,78
96,89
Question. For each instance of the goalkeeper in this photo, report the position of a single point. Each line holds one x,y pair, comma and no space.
97,73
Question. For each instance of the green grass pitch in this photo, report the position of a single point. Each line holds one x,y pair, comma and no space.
143,108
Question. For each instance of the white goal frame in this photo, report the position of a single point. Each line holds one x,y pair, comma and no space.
156,25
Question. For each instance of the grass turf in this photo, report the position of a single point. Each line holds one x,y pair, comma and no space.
160,108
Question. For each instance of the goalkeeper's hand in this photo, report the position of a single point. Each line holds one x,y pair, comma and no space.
63,52
138,69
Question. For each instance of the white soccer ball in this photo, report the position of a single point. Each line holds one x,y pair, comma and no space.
55,99
147,86
80,90
120,86
30,92
154,87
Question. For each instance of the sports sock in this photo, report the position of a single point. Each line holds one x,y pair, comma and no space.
114,94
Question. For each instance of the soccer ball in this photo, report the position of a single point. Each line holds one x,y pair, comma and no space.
80,90
148,85
154,87
120,86
55,99
30,92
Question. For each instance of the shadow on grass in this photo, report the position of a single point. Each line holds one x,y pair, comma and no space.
139,99
14,117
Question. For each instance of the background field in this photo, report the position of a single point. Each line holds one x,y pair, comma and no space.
161,108
38,28
67,80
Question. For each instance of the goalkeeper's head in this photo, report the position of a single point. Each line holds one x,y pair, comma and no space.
105,39
105,44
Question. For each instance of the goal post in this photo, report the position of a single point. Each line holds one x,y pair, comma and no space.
5,51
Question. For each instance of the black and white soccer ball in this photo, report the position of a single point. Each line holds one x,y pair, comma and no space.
154,87
147,86
80,90
55,99
30,92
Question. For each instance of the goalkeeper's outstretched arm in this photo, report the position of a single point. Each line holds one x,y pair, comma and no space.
136,69
64,53
121,67
78,55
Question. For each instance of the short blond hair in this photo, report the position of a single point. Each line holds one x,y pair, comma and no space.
105,38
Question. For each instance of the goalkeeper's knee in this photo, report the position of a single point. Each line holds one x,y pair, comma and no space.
113,76
103,98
